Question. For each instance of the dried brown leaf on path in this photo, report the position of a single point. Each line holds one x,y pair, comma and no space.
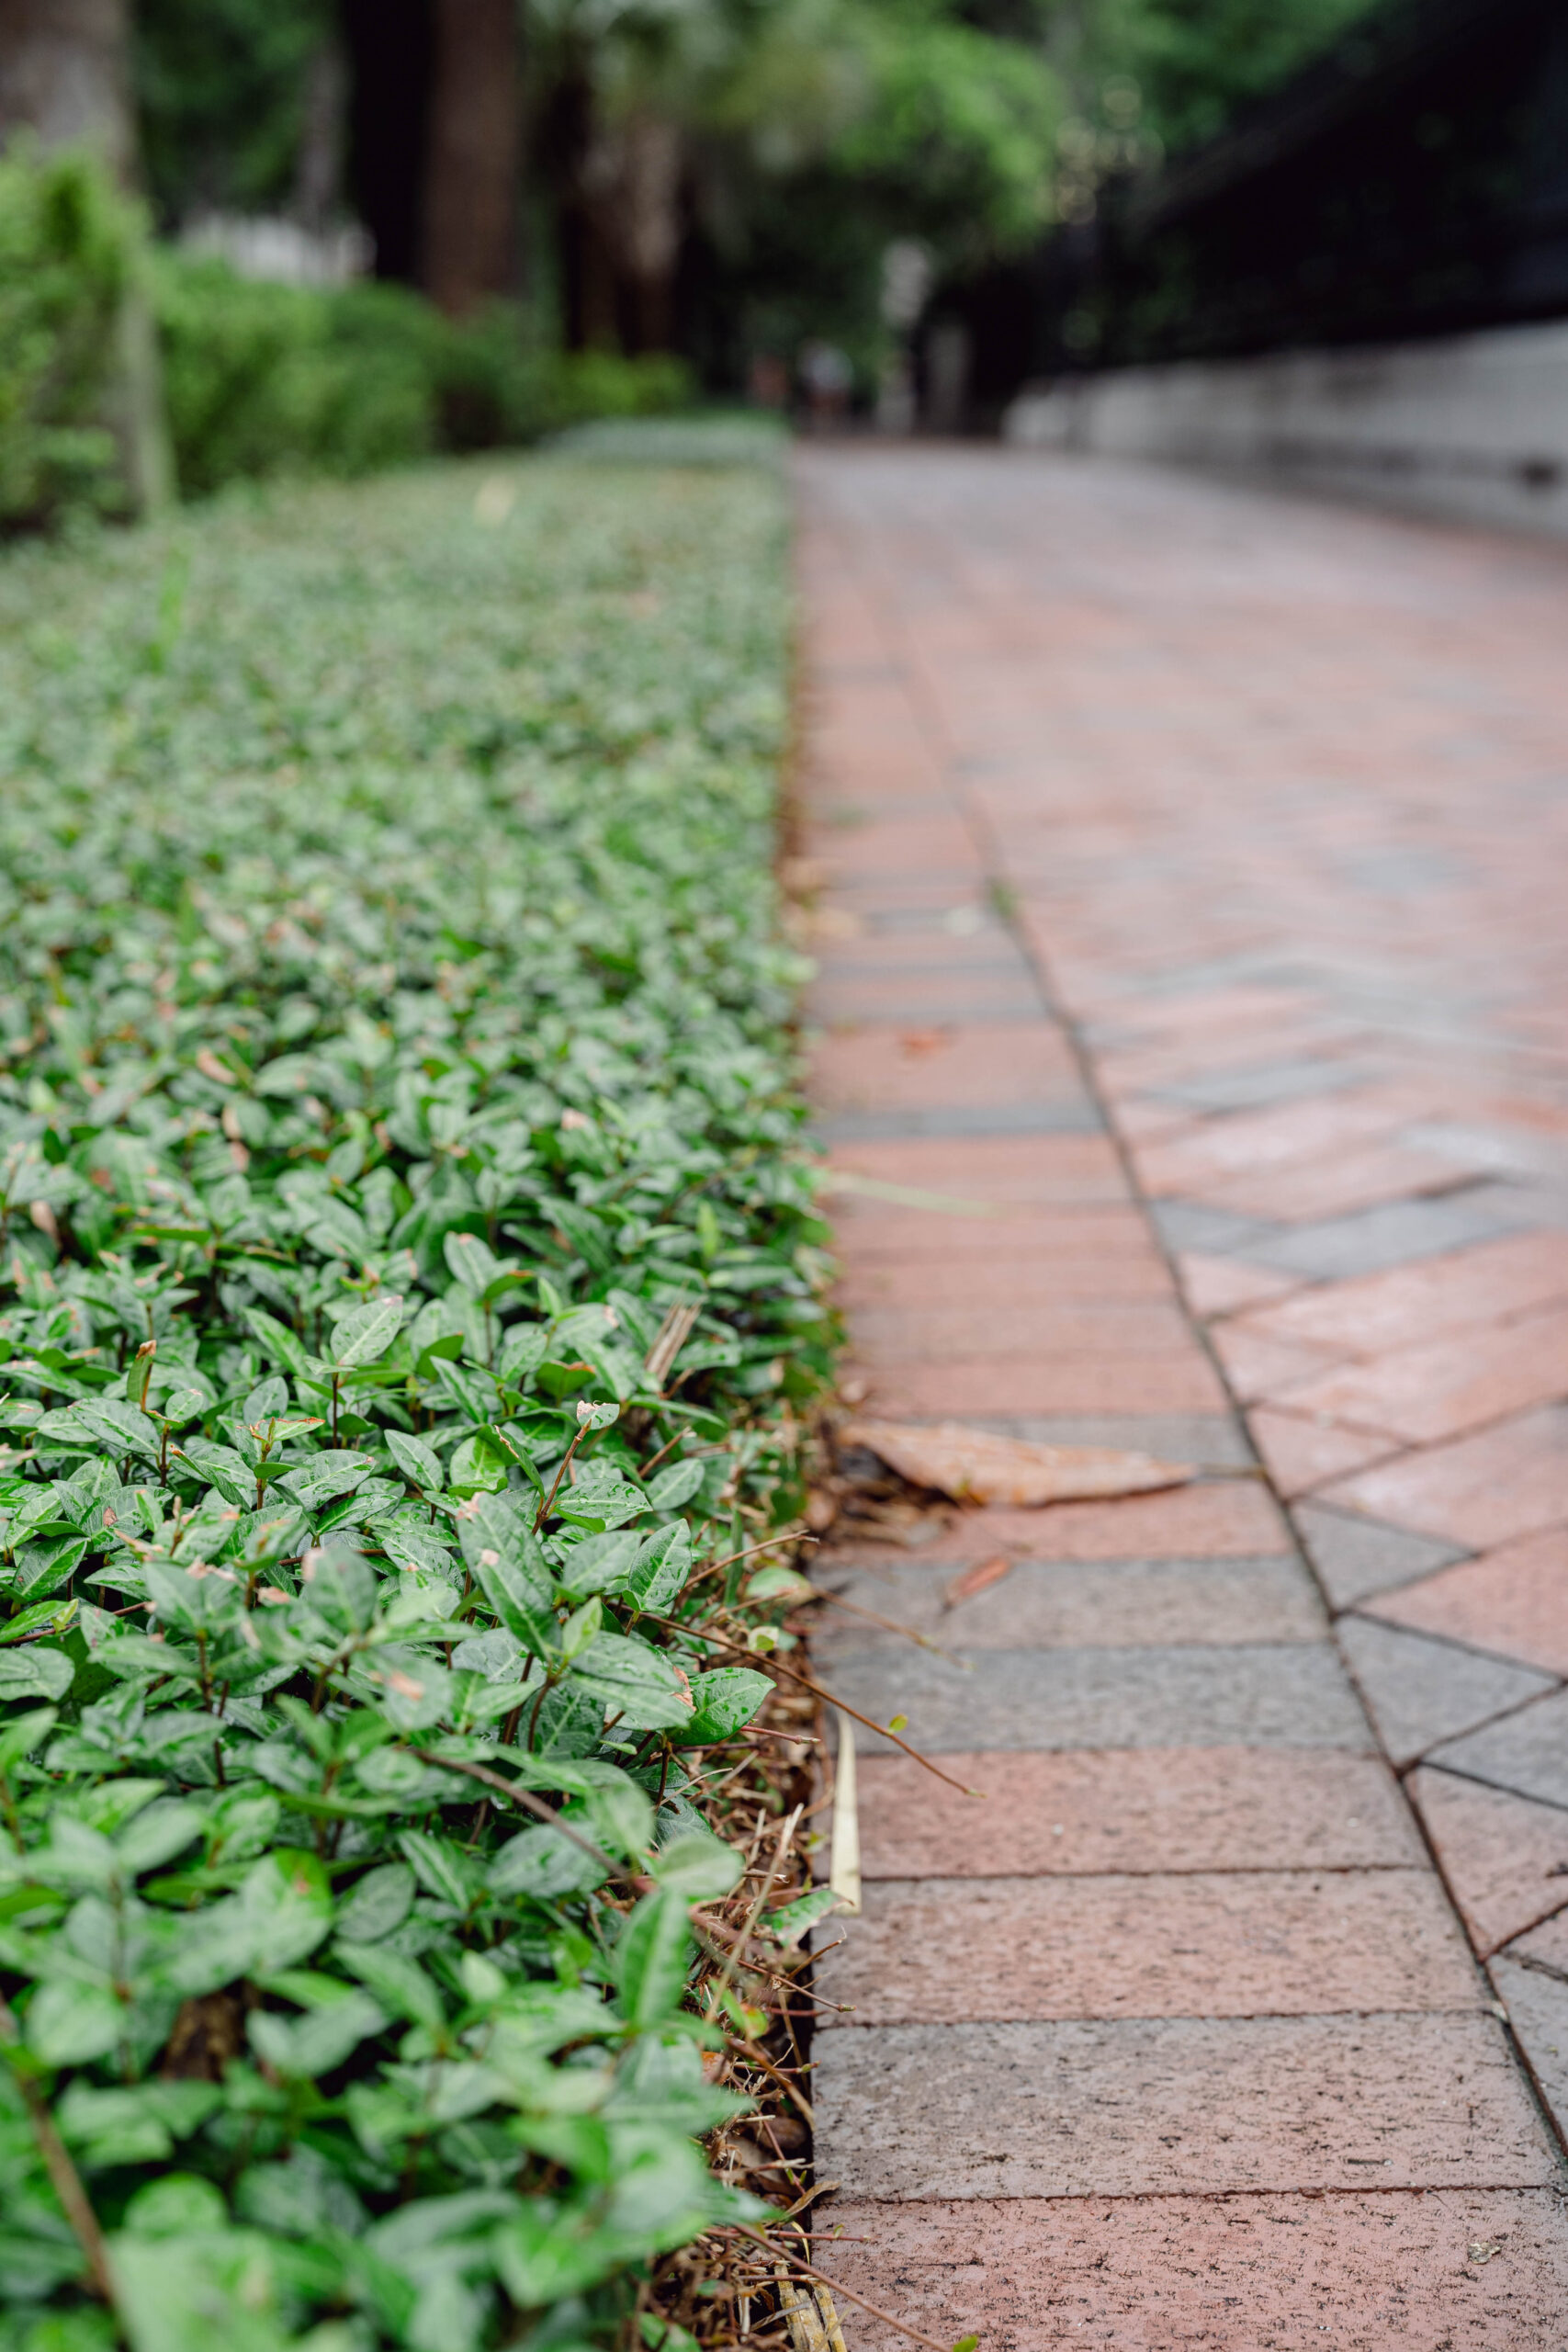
976,1579
976,1466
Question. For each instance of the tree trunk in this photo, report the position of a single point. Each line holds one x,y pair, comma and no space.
652,160
318,170
65,75
473,155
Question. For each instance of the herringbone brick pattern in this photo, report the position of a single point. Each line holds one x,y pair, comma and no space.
1186,872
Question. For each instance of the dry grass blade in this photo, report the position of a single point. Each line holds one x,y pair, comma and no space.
805,2270
806,2333
828,2310
903,1196
976,1466
888,1625
812,2319
671,1337
844,1867
786,1834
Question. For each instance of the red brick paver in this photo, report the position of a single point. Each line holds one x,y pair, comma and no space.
1185,872
1472,2271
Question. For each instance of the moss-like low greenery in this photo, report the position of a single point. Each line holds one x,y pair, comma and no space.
409,1280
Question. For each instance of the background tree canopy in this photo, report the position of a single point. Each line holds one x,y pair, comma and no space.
1192,63
223,88
717,177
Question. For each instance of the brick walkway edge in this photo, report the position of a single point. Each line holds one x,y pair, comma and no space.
1186,881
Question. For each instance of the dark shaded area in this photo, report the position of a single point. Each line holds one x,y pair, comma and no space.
390,45
1414,182
1001,310
563,137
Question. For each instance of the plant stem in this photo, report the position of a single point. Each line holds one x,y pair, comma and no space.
544,1510
722,1641
524,1797
65,2178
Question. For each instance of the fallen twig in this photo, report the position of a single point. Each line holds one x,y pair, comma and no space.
524,1797
889,1625
770,1543
64,2179
722,1641
740,2230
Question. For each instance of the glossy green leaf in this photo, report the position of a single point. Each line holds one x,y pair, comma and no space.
420,1463
365,1335
723,1701
652,1957
633,1683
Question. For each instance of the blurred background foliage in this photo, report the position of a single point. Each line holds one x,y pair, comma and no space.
385,227
1190,64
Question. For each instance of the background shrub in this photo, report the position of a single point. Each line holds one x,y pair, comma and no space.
67,247
265,378
258,379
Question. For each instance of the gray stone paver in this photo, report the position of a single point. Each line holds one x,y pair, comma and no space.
1375,1239
1065,1603
1420,1691
1251,1695
1358,1557
1527,1751
1071,1115
1538,2011
1135,2107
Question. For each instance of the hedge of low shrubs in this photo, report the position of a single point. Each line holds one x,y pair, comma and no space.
409,1285
259,379
67,245
265,378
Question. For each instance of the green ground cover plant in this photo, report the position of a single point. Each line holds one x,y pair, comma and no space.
409,1295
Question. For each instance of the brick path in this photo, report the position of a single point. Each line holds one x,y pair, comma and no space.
1192,875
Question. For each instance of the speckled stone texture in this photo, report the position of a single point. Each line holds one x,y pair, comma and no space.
1135,1809
1442,2270
1286,1694
1126,2107
1270,1943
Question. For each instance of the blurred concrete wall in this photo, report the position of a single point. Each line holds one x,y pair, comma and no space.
1473,428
